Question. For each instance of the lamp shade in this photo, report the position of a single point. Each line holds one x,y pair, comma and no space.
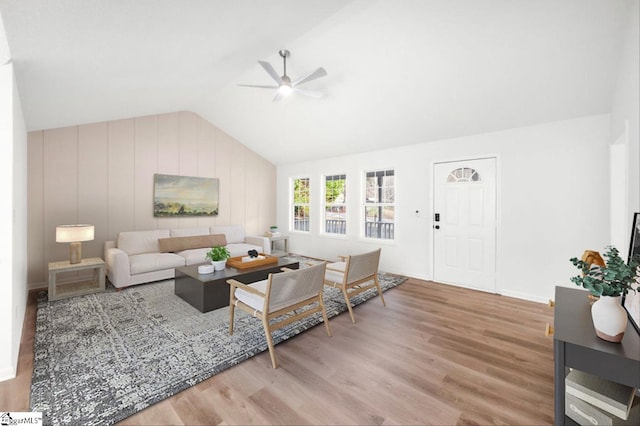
74,233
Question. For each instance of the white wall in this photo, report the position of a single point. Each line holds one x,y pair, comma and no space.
13,272
619,195
102,174
625,111
553,202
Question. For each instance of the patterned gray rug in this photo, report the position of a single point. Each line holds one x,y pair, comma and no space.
103,357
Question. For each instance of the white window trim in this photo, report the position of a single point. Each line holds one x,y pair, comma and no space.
324,205
291,226
363,205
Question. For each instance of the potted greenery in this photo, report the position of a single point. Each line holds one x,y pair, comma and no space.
218,256
609,283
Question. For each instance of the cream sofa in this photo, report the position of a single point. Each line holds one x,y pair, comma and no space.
143,256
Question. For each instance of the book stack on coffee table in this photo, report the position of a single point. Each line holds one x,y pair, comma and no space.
592,400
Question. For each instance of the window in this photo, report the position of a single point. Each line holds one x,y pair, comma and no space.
463,174
300,204
379,204
335,207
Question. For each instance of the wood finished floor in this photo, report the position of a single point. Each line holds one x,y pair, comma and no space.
436,354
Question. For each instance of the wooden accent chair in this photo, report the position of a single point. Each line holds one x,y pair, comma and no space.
278,295
352,274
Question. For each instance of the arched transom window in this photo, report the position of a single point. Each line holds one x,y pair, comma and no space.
463,174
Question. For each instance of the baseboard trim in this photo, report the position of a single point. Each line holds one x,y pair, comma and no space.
415,276
523,296
7,373
42,285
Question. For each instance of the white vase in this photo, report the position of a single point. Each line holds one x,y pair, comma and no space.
218,265
609,318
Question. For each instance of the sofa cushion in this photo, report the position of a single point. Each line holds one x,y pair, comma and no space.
188,232
149,262
242,249
333,276
136,242
194,256
250,299
234,233
177,244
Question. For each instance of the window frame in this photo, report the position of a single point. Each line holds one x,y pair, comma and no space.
365,205
324,205
293,204
473,176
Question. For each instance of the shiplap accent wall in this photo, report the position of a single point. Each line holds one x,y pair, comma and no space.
102,174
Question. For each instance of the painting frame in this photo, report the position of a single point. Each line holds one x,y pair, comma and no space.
631,301
185,196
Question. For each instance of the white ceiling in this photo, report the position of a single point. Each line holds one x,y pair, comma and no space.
399,71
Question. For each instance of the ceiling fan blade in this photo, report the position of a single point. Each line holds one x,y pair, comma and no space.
269,69
311,93
320,72
258,86
279,96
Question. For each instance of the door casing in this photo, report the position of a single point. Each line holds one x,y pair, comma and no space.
498,224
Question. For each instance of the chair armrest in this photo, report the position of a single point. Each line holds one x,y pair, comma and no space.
248,289
263,242
338,267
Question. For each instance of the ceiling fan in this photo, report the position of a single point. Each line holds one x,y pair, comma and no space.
285,85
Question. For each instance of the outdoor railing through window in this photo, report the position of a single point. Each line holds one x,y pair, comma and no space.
301,224
383,230
334,226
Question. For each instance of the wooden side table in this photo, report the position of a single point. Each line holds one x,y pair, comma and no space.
275,251
61,288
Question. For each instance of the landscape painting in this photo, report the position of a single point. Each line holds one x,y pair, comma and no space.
185,196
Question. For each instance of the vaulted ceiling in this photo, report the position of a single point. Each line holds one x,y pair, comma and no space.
399,71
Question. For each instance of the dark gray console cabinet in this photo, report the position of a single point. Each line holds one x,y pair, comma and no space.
576,345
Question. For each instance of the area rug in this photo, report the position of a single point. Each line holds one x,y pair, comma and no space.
103,357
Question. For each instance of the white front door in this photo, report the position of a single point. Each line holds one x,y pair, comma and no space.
464,220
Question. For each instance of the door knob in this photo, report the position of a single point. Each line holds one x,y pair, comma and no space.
437,226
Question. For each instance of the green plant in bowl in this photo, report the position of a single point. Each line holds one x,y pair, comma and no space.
218,253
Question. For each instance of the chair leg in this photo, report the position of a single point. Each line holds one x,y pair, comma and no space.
231,312
324,315
375,279
267,332
346,299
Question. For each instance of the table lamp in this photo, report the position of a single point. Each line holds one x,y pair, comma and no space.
74,234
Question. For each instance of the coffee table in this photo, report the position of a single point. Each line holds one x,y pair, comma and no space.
207,292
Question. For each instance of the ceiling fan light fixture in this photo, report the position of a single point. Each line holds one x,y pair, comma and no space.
285,90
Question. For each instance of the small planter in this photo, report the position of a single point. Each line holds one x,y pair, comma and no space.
219,265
